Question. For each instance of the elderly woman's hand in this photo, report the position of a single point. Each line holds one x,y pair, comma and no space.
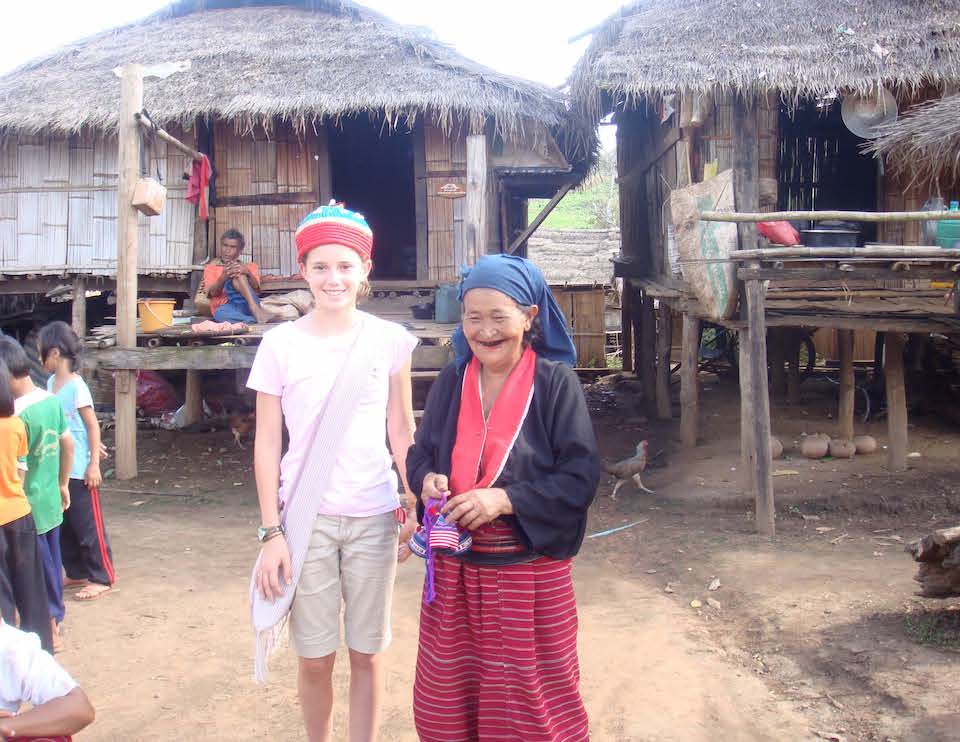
434,486
478,507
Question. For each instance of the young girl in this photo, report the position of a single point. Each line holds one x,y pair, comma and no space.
84,546
337,374
22,588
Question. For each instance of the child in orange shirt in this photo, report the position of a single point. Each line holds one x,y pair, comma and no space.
22,586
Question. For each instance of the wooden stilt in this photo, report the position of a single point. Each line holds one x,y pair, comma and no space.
778,359
689,387
626,325
792,345
758,408
896,402
845,426
664,344
131,102
193,400
477,211
647,352
79,307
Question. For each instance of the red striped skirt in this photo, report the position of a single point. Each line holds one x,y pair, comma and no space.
498,655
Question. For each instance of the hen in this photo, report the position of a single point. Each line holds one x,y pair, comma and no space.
629,469
242,425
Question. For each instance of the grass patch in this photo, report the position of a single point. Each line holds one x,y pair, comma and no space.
939,629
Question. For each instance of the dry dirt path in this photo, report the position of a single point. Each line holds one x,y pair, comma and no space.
168,654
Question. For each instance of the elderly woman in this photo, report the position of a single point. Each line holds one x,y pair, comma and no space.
507,439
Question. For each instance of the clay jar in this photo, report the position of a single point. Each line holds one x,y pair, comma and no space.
841,449
815,446
865,444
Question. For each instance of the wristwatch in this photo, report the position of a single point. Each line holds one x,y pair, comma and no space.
265,533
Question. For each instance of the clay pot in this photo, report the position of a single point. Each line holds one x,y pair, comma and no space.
815,446
865,444
841,449
776,448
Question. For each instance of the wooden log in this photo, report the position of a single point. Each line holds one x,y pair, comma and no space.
862,273
759,418
745,379
143,120
664,344
626,325
193,400
647,352
476,219
935,546
845,427
78,310
896,402
689,386
131,102
849,216
938,581
174,358
885,252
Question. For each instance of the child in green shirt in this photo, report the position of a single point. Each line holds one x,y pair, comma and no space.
48,461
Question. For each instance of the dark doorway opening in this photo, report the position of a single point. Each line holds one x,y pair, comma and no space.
821,166
372,172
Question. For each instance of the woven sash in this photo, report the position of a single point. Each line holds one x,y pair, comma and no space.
300,509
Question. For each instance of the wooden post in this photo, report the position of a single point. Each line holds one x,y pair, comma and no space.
896,402
476,222
778,357
845,428
193,400
79,307
420,201
647,352
689,387
792,344
746,406
128,135
626,325
760,462
664,344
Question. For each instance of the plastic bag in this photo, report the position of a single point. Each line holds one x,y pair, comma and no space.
779,233
155,395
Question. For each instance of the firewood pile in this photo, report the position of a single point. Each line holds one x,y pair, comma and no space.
939,558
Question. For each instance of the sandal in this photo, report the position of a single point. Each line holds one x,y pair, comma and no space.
91,592
70,582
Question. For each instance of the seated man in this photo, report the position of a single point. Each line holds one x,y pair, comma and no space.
232,286
59,707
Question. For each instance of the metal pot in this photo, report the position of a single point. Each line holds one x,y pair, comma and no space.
422,311
831,234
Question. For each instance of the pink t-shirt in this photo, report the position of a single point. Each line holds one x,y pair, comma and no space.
301,368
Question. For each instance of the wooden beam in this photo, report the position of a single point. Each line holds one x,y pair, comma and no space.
627,297
640,169
845,426
881,252
896,401
79,307
128,136
420,201
758,454
664,345
861,273
175,358
267,199
144,120
646,354
776,345
193,399
850,216
689,386
476,218
539,218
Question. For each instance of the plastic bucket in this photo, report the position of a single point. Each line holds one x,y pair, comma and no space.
155,314
447,307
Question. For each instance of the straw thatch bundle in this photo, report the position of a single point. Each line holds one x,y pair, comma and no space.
926,141
296,61
793,47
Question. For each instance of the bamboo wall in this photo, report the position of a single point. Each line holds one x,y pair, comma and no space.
58,206
446,162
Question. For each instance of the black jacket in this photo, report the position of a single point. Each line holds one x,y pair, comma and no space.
552,472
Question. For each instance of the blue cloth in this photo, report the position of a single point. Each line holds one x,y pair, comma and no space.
73,395
236,308
523,282
48,549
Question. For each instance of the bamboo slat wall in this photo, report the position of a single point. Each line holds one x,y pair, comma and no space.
254,164
58,206
446,162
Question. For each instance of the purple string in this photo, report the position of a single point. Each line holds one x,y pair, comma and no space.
430,592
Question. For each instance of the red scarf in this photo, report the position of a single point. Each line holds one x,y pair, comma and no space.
482,447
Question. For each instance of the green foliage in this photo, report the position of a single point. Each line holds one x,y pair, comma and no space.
595,205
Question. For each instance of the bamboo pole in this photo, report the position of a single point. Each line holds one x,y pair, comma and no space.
131,102
147,124
819,216
884,252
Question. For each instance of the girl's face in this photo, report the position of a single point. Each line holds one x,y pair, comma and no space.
494,326
51,361
334,274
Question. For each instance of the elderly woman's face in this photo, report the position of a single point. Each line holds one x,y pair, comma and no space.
494,325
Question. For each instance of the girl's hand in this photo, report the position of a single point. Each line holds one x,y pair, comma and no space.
275,572
434,486
478,507
408,529
92,478
64,497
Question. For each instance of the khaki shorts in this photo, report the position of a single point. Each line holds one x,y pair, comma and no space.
352,558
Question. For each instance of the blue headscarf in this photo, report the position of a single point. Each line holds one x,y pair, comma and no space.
523,282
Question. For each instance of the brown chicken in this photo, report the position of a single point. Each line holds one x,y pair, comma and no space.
242,426
629,469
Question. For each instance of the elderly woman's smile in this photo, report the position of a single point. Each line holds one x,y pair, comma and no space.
494,325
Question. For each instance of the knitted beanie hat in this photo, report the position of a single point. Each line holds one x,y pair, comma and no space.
334,225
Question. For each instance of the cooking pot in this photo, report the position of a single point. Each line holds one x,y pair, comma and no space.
831,234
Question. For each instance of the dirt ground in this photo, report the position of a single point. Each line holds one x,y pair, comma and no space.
811,636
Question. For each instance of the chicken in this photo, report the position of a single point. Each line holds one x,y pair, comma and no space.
629,469
242,425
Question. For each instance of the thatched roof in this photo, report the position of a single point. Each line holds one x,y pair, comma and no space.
924,142
793,47
300,61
